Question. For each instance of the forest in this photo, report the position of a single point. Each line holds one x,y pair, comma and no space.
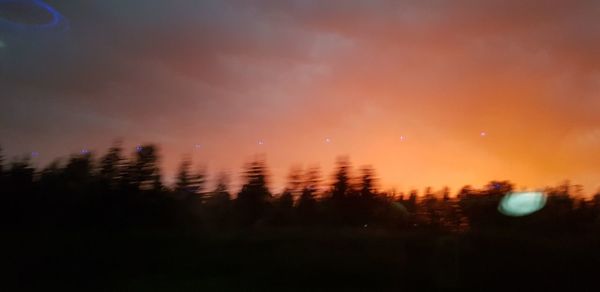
111,223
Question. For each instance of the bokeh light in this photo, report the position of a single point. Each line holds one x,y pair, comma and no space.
517,204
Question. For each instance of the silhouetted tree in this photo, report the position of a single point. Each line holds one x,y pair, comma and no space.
294,184
285,202
51,196
190,187
451,215
367,187
218,203
221,193
340,203
17,193
2,171
595,205
112,166
307,203
20,173
119,192
283,212
481,207
253,200
1,164
79,171
341,186
411,202
429,210
366,208
560,204
183,183
198,182
143,172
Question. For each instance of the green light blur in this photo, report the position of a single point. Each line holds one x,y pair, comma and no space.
519,204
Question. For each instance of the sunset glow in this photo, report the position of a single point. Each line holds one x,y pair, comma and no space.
455,93
300,145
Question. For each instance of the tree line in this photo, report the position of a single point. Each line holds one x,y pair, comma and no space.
124,192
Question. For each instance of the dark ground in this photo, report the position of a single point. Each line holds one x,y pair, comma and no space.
299,260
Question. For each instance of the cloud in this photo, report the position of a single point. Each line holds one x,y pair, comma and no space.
437,71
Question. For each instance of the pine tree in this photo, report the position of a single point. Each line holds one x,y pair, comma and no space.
143,172
220,195
218,204
112,166
1,169
183,180
341,187
1,162
367,187
307,203
254,198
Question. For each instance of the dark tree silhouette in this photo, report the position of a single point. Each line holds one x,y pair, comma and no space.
283,211
411,206
112,166
367,187
219,212
79,171
294,184
429,213
189,189
2,171
253,200
116,199
342,186
307,203
18,193
221,193
218,202
366,208
143,172
481,207
183,183
118,191
1,164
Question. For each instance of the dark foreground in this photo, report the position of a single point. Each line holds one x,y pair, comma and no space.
357,260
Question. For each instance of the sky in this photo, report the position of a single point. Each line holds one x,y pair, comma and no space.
429,93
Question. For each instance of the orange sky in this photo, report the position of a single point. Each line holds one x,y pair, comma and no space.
228,74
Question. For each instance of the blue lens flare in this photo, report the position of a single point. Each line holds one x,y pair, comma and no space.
517,204
55,20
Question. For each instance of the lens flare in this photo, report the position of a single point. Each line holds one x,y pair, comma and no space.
30,15
517,204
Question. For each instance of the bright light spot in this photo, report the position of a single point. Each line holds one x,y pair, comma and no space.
85,151
483,134
327,140
402,138
197,146
138,148
261,142
518,204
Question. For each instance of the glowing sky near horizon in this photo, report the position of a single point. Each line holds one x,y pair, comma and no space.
427,92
